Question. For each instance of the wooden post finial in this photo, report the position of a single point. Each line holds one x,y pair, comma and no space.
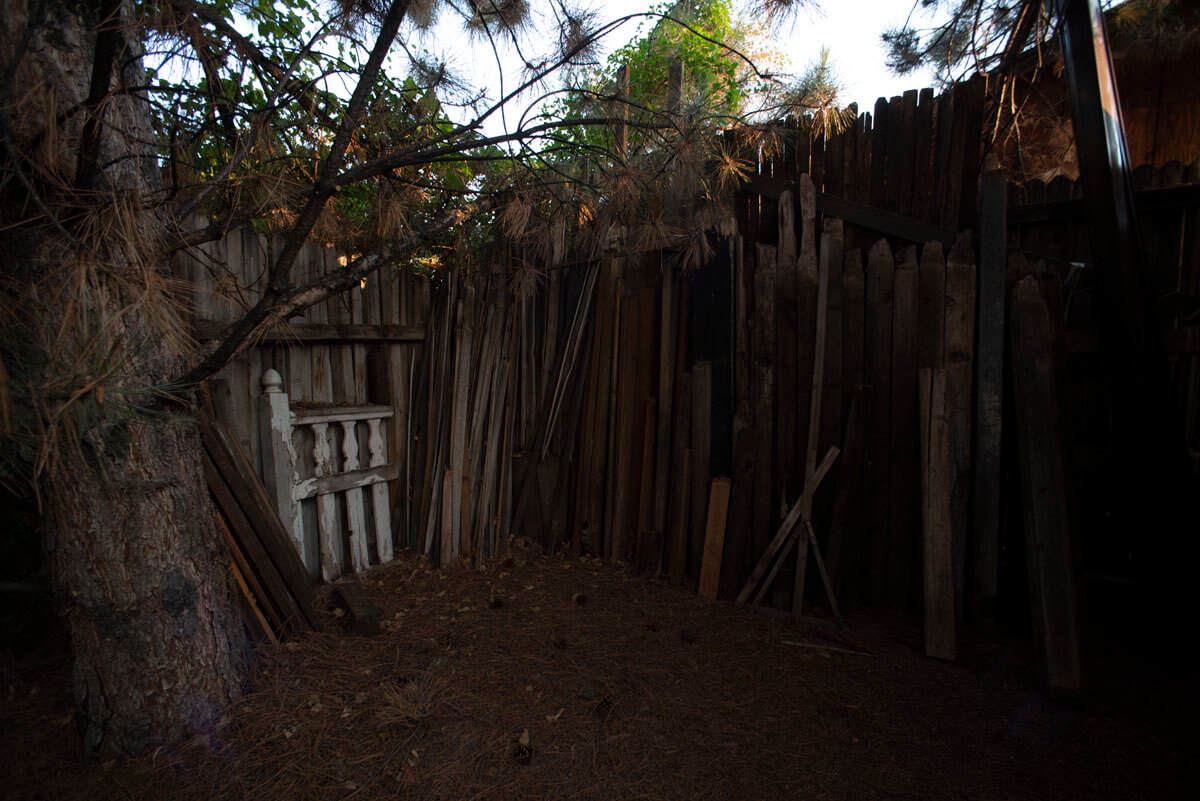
272,381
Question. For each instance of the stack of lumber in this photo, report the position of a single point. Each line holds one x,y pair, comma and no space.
276,589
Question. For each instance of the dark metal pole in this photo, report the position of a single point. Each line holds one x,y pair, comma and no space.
1148,446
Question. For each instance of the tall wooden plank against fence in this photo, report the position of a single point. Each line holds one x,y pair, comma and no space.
959,349
1043,484
831,403
935,515
989,361
878,370
701,456
814,433
677,536
764,398
806,312
787,462
669,328
714,538
904,451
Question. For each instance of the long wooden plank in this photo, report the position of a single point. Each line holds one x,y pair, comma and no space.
814,427
1043,485
937,565
884,221
714,537
701,455
646,554
681,483
807,289
831,403
289,617
669,330
959,350
989,394
763,332
230,460
878,372
788,468
258,597
904,451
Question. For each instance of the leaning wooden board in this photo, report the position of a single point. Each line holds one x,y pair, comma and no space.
254,521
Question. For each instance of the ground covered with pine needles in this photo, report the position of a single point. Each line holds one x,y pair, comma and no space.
562,678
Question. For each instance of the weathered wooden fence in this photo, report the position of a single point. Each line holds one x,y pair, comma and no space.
591,404
353,350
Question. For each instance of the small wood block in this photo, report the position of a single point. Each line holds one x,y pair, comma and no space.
714,537
362,615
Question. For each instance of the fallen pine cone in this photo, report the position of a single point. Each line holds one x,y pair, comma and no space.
579,598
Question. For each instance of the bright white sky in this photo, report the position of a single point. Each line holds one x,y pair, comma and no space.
851,28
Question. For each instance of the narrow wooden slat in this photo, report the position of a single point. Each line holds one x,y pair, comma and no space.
806,313
763,333
259,531
789,470
988,397
959,350
329,523
669,329
701,456
260,597
904,451
814,423
878,372
646,554
831,403
355,513
937,566
379,493
714,537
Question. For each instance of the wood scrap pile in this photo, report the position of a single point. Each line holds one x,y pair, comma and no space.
277,594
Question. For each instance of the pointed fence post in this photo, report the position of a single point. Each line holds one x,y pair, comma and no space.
279,457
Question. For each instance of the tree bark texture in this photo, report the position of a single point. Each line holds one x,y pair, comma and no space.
141,572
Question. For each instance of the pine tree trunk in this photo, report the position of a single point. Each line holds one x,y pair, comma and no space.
141,573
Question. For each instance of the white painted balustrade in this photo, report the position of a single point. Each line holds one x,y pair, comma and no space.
288,489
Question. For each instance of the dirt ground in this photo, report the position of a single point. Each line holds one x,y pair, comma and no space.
557,678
